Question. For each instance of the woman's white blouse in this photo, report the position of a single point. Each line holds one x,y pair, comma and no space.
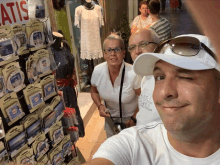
110,94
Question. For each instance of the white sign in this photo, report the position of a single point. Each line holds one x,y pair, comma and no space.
13,12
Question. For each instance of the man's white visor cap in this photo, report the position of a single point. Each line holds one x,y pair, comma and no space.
144,63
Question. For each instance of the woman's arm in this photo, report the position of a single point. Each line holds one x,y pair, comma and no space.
96,98
133,29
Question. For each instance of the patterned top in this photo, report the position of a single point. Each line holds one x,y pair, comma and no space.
163,28
141,24
89,22
65,62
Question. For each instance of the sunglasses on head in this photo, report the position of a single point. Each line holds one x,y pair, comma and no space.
184,46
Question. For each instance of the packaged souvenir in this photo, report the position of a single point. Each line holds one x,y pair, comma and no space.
11,108
31,69
57,105
37,8
66,145
48,86
35,34
20,38
56,133
3,90
25,157
32,125
48,31
48,117
14,77
43,63
44,161
40,146
33,95
7,46
16,140
2,130
56,155
4,157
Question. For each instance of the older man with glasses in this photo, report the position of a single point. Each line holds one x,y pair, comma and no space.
145,41
107,81
187,97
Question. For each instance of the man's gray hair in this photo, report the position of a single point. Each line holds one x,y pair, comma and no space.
114,37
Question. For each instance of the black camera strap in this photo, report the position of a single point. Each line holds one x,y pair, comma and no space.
120,92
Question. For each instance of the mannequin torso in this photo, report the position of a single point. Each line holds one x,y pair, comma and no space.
88,5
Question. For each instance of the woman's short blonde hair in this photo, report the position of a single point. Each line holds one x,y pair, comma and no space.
114,37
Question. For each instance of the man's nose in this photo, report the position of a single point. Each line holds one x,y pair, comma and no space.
138,50
169,89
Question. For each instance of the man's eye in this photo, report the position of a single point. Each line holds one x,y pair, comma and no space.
109,50
132,47
186,78
143,44
158,78
117,49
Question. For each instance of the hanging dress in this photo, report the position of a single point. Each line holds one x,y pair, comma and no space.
89,22
65,62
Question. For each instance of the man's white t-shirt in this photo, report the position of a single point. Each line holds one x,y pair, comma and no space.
147,110
147,145
110,94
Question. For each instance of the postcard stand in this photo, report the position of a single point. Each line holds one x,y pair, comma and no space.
20,39
11,108
31,129
35,34
7,45
16,140
14,77
57,105
33,95
40,146
32,125
4,157
25,157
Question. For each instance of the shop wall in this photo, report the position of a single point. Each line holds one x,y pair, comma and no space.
113,10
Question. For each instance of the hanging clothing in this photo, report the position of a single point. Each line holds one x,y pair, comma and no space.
89,22
65,63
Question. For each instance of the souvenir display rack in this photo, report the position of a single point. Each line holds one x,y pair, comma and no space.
34,123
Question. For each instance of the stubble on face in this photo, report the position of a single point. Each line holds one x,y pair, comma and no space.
186,101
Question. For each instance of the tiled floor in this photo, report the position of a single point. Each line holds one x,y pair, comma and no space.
94,136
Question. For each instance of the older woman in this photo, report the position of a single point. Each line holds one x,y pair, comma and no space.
106,80
142,20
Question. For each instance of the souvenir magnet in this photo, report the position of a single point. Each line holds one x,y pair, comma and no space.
35,99
14,111
37,39
15,81
43,65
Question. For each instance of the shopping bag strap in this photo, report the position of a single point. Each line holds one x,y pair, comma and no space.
120,92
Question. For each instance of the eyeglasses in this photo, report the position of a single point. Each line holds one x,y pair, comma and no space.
116,50
142,45
184,46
